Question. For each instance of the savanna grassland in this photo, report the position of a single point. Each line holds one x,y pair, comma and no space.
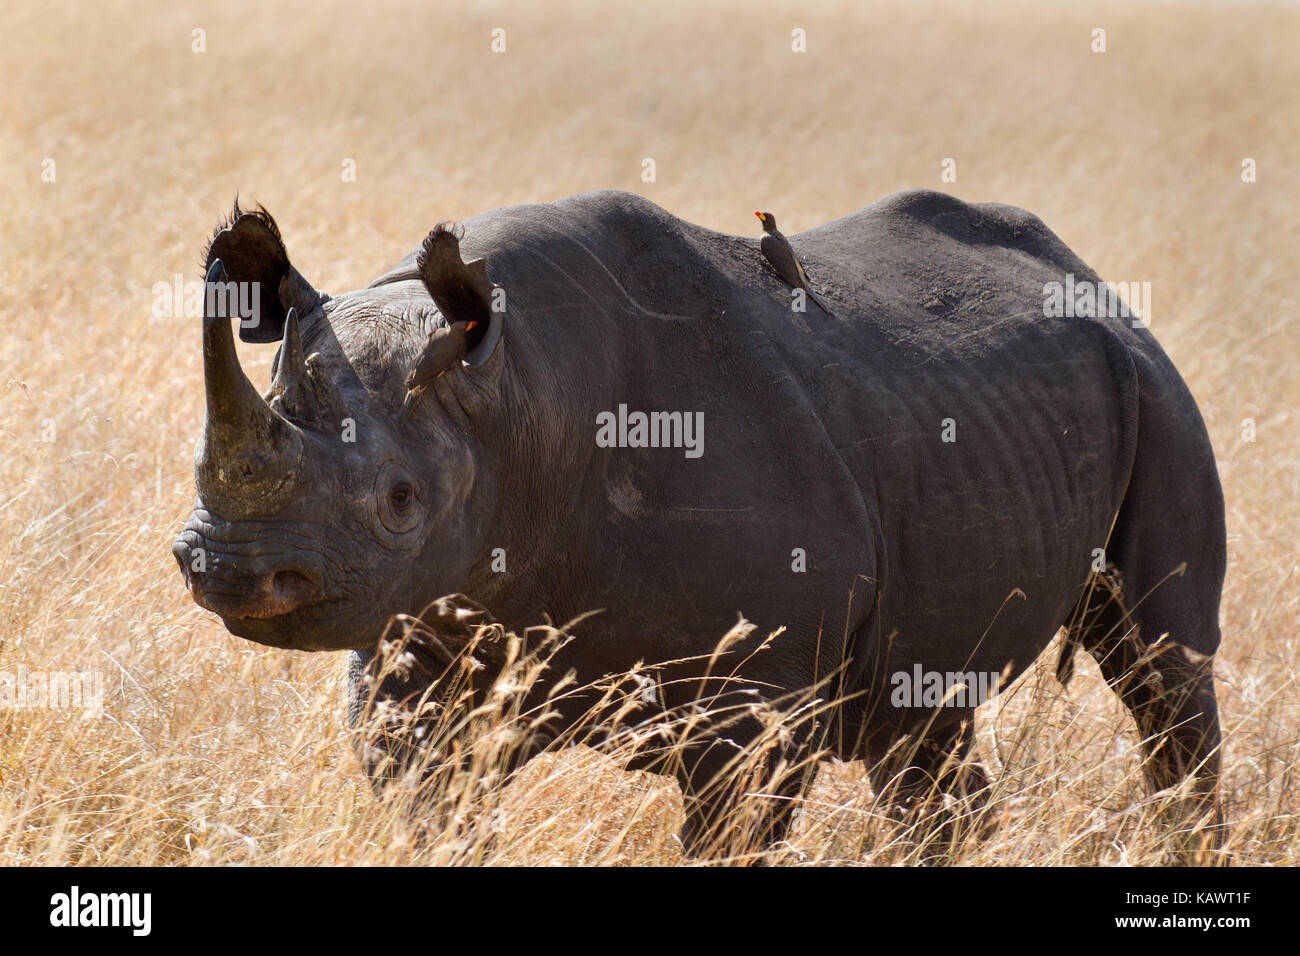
212,750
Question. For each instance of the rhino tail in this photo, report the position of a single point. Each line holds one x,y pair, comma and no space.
1065,663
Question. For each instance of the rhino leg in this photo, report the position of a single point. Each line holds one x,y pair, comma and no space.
1156,644
383,722
1169,690
741,788
930,784
358,695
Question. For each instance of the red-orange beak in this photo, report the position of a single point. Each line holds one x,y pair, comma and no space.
759,215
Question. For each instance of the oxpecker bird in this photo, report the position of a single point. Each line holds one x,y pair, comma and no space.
446,347
777,251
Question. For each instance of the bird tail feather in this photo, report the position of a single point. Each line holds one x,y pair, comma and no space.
820,302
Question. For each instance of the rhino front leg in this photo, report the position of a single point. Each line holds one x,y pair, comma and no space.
389,727
358,693
930,784
741,789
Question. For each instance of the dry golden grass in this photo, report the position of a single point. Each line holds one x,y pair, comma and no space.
213,750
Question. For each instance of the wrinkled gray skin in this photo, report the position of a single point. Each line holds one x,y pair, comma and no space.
823,432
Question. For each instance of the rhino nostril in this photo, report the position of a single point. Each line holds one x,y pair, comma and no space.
291,589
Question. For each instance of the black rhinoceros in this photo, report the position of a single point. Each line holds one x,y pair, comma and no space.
932,480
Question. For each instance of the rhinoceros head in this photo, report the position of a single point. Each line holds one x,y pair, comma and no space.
319,514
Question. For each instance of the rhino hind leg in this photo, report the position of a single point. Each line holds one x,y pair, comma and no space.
1168,687
1156,643
929,783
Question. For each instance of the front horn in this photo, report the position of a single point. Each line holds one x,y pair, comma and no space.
249,459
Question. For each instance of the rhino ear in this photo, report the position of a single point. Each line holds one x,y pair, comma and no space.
249,245
484,343
462,291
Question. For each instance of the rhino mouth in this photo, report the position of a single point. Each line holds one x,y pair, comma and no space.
248,573
296,630
278,596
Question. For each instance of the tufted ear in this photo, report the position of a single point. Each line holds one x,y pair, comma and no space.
250,247
461,291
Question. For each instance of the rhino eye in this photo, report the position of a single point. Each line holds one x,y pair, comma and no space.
400,496
397,500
